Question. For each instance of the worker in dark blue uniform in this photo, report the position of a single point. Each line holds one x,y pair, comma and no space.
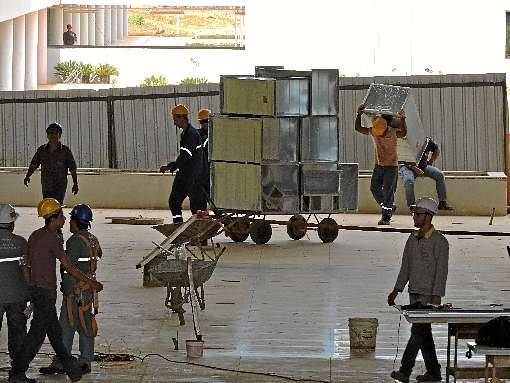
203,119
188,166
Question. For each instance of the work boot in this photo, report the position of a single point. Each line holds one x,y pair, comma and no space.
85,368
75,374
385,220
429,377
400,376
20,378
443,205
51,369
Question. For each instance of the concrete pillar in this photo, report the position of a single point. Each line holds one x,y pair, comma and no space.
18,54
92,25
56,26
42,47
114,23
107,25
6,32
99,25
125,20
31,40
76,27
84,25
120,22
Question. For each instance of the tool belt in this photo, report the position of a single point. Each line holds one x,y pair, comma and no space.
86,298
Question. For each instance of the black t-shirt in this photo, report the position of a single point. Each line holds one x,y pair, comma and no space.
430,148
69,38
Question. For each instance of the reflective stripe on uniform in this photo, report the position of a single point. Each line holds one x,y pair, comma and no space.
177,216
205,142
188,151
11,259
199,146
83,259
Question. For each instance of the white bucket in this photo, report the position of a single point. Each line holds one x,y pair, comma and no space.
363,333
195,348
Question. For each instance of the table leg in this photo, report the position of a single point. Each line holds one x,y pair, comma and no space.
486,369
455,356
448,356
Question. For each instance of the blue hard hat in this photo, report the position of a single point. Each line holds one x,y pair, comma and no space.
82,213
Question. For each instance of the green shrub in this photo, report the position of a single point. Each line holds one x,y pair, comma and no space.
136,20
154,81
106,70
68,71
194,80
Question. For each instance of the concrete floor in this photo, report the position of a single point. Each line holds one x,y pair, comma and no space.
277,309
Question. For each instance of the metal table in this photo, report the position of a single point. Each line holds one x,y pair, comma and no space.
463,323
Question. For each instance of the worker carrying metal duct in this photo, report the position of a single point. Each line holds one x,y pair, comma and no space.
188,166
384,132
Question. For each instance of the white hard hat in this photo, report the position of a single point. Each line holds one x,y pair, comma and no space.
428,204
7,214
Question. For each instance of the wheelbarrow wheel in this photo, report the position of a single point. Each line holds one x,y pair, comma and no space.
328,230
260,232
238,230
296,227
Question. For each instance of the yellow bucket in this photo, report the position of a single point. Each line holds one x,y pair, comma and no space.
363,333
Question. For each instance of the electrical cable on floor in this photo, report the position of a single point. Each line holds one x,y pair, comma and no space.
398,341
269,374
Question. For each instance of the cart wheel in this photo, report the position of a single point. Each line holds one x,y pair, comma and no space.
328,230
296,227
238,230
260,232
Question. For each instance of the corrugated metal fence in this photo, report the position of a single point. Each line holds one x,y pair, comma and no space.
130,128
127,128
465,114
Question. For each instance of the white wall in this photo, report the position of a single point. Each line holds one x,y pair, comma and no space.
373,37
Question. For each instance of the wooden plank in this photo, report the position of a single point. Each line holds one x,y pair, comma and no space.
470,128
493,140
19,132
447,111
460,133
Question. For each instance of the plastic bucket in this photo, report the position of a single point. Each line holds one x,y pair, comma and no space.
195,348
363,333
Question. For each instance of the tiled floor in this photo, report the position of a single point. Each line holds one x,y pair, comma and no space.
280,308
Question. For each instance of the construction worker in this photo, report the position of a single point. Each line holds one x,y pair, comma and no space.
13,279
43,249
69,37
425,268
188,166
55,160
384,132
203,119
425,168
83,250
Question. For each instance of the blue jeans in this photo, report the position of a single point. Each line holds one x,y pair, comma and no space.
382,186
429,171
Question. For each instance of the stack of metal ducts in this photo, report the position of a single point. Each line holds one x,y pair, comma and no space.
274,147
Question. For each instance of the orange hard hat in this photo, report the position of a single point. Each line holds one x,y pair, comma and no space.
379,126
203,114
180,110
48,206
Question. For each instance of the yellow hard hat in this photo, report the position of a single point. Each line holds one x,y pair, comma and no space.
379,126
180,110
48,206
203,114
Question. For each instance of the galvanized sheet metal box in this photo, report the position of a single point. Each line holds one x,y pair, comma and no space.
348,186
292,96
247,96
324,94
266,188
235,139
253,140
320,178
319,139
257,96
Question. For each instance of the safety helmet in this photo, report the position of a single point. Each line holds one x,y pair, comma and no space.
48,206
82,213
54,125
203,114
180,110
379,126
428,204
7,214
